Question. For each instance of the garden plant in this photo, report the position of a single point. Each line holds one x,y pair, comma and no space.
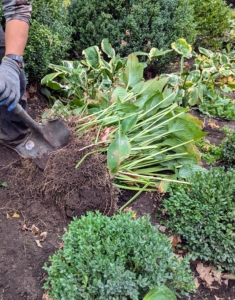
116,258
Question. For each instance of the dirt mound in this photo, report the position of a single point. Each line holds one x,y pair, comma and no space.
73,190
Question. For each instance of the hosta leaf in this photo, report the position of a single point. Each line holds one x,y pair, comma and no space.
118,150
182,47
126,107
160,293
154,53
134,70
150,103
54,85
187,170
107,48
50,77
92,55
206,52
129,123
119,93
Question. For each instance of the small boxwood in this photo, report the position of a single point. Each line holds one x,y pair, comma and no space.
203,215
114,258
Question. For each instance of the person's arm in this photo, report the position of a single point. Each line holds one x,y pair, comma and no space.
17,14
16,35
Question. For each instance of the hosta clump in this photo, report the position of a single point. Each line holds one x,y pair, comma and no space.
228,149
203,215
114,258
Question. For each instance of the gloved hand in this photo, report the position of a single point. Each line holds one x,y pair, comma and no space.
9,83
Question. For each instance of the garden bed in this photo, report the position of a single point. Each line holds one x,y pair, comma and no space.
27,202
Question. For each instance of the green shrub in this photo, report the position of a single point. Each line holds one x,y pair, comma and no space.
114,258
212,19
49,37
131,26
203,215
228,149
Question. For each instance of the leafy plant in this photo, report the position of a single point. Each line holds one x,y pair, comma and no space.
228,150
3,184
147,136
203,215
212,19
49,37
132,26
114,258
210,153
160,293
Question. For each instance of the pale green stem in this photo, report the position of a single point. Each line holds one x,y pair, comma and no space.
135,196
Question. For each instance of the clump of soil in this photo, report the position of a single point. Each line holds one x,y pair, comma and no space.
73,190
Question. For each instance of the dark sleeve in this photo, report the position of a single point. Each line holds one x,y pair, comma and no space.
17,10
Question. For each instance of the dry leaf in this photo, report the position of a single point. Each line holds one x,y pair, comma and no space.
134,215
217,275
43,236
174,240
38,243
15,215
217,298
206,147
205,273
35,229
162,229
8,217
128,209
24,228
212,125
46,297
128,32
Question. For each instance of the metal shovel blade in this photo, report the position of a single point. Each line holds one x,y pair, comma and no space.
43,139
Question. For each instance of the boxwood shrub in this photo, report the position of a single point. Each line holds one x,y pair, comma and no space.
114,258
203,215
136,25
212,19
49,37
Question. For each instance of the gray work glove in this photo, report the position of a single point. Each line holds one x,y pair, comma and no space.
9,83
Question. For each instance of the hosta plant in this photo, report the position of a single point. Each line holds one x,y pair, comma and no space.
115,258
203,215
147,135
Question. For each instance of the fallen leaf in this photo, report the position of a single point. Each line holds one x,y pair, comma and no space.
205,273
8,217
212,125
162,229
15,215
38,244
24,227
35,229
217,275
43,236
127,209
46,297
217,298
134,215
174,240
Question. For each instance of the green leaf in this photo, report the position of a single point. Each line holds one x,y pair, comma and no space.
154,53
129,123
187,170
118,150
4,184
182,47
46,92
160,293
134,70
120,93
92,55
54,85
107,48
206,52
50,77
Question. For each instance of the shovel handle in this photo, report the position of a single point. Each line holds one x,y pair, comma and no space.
22,114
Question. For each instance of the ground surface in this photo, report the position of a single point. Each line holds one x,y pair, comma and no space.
48,200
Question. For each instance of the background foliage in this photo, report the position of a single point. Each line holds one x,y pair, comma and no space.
131,25
212,21
49,37
203,215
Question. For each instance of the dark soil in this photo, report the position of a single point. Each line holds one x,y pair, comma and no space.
51,198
